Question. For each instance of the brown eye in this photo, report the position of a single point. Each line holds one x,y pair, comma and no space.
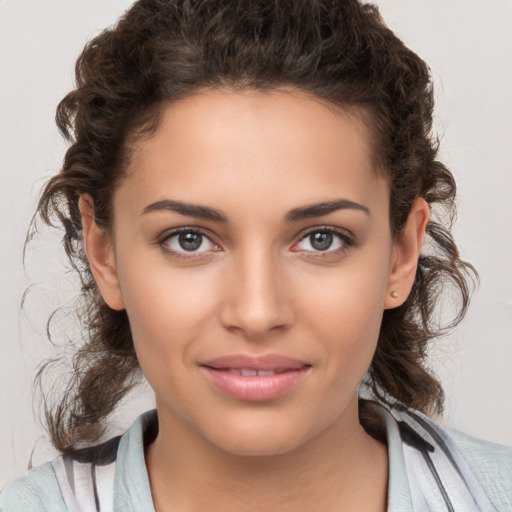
190,241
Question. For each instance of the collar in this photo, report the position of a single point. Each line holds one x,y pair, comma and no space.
426,470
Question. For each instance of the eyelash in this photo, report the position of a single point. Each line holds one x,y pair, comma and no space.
347,241
163,242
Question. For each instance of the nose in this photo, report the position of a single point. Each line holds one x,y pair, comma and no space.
256,301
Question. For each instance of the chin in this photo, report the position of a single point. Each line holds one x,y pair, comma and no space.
257,446
259,437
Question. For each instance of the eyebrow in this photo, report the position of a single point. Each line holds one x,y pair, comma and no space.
320,209
294,215
191,210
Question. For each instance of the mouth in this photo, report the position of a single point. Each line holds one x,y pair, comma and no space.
254,378
244,372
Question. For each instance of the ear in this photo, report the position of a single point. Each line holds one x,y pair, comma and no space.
406,249
100,253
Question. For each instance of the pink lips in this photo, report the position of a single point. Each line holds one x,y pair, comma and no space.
253,378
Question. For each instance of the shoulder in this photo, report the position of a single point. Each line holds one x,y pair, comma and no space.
70,482
84,479
480,451
491,463
446,469
36,491
485,468
79,480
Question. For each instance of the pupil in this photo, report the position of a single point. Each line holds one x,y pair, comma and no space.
190,241
321,241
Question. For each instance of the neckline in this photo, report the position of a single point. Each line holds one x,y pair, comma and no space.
133,492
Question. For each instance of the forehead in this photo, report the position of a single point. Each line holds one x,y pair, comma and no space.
283,146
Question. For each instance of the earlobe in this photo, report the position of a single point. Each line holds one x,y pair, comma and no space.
100,254
407,248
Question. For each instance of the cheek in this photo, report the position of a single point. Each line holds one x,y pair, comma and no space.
169,312
168,309
160,295
344,312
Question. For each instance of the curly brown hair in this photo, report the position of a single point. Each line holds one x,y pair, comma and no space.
160,51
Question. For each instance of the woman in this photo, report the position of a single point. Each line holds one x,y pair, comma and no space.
246,197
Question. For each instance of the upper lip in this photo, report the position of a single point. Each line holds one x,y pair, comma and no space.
275,362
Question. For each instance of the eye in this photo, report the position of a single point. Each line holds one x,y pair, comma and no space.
187,240
323,240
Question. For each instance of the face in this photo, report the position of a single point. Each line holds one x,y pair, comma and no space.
252,252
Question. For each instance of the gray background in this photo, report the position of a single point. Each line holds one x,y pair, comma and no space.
468,44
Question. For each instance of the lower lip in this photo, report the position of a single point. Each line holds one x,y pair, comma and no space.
255,388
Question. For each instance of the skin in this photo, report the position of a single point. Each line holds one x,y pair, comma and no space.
257,285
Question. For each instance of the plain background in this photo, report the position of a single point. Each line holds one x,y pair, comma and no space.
467,43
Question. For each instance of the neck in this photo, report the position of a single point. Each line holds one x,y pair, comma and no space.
329,472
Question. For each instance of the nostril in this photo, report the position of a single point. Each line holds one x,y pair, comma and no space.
254,299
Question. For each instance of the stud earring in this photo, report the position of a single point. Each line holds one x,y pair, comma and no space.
394,294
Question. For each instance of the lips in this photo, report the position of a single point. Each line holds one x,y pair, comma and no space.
254,378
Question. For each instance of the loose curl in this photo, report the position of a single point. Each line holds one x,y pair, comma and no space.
162,50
